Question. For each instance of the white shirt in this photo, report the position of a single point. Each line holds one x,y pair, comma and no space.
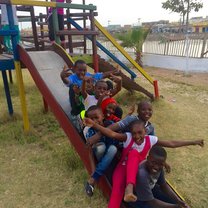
139,148
4,16
90,101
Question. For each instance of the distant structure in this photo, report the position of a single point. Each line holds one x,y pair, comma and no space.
114,28
199,24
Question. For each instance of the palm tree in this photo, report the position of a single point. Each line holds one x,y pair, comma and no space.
134,39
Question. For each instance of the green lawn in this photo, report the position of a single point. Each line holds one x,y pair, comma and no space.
41,169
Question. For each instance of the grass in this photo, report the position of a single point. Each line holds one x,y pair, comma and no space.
41,168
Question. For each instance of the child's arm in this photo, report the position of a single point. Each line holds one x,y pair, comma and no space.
76,90
175,144
105,131
65,73
83,89
118,81
109,73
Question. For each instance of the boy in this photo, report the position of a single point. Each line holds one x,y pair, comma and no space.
100,90
80,71
105,150
151,187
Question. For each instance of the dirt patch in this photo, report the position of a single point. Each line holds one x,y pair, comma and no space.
192,78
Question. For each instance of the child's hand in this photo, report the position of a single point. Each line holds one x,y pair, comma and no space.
116,72
167,168
66,72
89,143
131,110
88,122
87,78
199,142
114,78
182,204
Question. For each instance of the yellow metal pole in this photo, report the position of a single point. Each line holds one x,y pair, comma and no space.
168,182
33,3
115,43
22,95
69,57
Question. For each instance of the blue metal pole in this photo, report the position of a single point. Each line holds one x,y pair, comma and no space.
7,92
105,50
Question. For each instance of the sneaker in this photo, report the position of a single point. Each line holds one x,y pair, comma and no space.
89,189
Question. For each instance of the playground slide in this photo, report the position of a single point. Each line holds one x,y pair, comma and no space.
45,67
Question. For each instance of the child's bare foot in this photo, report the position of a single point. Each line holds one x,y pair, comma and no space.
129,195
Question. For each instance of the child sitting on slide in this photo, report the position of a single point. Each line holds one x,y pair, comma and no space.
101,89
80,71
104,150
136,146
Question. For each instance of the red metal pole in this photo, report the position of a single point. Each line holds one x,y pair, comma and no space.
156,89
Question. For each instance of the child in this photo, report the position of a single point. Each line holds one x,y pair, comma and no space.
109,106
136,147
151,187
104,150
101,89
5,25
60,13
145,112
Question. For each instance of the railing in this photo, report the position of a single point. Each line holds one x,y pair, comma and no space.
191,45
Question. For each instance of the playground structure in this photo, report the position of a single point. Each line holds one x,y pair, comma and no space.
42,64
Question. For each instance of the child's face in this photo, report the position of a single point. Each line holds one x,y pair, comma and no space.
100,89
145,111
110,109
155,164
89,86
96,116
138,133
81,70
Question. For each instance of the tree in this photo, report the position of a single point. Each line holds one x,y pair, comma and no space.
183,7
134,39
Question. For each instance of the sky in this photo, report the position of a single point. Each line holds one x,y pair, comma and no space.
132,11
128,12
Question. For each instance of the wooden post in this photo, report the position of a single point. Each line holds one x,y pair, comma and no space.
84,27
69,36
203,46
34,28
41,31
94,47
55,25
45,104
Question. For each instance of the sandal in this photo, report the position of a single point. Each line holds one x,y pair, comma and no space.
89,189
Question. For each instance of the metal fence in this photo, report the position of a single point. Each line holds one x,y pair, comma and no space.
191,45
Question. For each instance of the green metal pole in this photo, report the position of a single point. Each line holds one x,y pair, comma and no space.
55,25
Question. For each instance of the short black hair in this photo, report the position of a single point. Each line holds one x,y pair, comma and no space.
110,84
140,104
92,108
139,122
79,61
158,151
101,81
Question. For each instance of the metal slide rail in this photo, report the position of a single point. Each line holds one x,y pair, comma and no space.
123,52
